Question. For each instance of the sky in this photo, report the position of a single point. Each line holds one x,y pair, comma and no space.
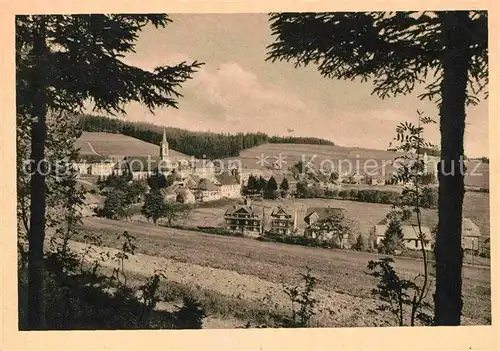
236,90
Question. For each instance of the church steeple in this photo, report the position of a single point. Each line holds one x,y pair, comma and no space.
164,146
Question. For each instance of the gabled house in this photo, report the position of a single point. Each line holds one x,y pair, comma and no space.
207,191
245,219
178,193
410,231
471,235
282,222
324,224
228,185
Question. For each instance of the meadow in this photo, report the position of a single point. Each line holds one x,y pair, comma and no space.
237,263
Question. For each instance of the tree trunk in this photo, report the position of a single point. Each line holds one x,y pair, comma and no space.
448,250
36,234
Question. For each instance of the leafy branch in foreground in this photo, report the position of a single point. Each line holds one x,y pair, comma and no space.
397,294
393,290
302,297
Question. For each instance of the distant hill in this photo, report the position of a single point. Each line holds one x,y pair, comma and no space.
340,156
198,144
95,144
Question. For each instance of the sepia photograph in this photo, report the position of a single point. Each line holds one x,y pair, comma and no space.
252,170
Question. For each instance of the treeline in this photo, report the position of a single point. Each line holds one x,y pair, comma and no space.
198,144
428,196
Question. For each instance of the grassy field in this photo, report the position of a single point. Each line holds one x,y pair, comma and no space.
476,207
338,271
118,145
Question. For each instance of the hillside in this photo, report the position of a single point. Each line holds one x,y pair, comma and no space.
199,144
117,145
341,157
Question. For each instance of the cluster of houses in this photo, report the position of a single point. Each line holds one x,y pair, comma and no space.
251,221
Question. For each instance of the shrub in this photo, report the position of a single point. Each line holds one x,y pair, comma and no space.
302,297
393,238
361,243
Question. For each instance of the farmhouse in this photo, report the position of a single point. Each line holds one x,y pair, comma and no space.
229,186
470,235
282,222
324,223
410,234
292,182
244,219
206,190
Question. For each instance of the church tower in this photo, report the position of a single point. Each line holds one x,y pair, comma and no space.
164,147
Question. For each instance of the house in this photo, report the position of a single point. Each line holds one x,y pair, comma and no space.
356,178
245,219
82,167
203,168
471,235
178,193
206,190
245,173
282,222
323,223
228,185
410,234
170,193
191,181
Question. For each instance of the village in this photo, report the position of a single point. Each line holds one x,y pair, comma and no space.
260,170
240,194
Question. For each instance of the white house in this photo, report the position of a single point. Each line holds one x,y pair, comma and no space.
207,191
228,185
410,234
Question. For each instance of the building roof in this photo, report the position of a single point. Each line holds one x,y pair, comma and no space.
251,210
469,228
280,211
289,177
205,184
323,212
145,163
226,178
409,231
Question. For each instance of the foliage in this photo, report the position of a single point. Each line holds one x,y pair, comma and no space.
63,62
395,50
158,181
361,243
393,237
409,140
113,181
198,144
271,189
154,206
174,211
341,226
284,185
190,315
302,300
398,51
114,205
397,294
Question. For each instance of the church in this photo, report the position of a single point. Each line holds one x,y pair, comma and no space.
143,166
